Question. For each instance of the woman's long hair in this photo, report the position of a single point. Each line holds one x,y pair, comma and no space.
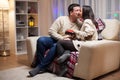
88,14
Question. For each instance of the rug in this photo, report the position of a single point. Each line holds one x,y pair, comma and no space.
21,73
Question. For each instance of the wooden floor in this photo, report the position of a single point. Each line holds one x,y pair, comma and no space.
13,61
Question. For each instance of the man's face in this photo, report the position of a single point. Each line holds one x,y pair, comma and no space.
77,12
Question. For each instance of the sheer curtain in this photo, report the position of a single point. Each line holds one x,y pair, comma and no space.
113,9
102,8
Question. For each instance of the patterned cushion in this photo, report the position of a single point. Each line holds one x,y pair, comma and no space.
55,67
112,29
100,27
71,63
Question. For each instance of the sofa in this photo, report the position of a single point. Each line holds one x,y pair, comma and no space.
95,58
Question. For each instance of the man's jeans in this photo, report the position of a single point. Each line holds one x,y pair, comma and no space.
44,44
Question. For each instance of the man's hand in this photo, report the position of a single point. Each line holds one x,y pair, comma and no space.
67,37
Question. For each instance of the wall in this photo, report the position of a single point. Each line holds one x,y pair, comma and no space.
45,16
12,26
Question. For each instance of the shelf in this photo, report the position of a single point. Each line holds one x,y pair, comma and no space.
21,13
21,47
33,14
32,7
33,31
25,9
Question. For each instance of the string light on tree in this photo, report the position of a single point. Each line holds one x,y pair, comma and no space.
116,15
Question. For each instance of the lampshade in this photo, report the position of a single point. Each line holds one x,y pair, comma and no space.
4,5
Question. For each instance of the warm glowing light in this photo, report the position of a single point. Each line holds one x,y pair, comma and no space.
4,5
31,21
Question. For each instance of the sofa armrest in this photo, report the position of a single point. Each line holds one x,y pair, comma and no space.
97,58
31,47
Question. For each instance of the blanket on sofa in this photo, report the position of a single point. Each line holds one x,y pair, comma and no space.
56,68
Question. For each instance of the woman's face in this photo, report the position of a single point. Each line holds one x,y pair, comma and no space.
77,12
81,11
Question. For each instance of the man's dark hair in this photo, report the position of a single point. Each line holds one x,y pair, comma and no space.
71,6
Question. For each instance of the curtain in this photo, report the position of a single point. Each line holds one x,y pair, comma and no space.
102,8
113,9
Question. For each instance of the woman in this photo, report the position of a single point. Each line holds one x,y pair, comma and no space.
87,32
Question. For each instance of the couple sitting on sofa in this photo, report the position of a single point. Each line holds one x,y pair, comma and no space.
66,33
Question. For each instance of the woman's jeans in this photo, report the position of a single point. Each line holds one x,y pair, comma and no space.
44,44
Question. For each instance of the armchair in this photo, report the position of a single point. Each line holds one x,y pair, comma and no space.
95,58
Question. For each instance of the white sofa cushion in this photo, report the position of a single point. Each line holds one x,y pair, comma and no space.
97,58
112,29
31,47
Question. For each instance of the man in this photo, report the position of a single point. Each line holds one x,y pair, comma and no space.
56,32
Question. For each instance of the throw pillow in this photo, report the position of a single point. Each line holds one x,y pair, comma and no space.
100,27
